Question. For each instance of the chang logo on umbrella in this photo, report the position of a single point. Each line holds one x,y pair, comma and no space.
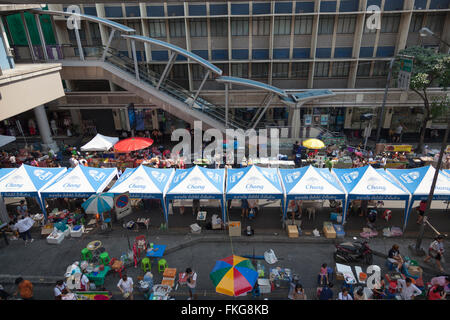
195,184
17,182
350,177
254,184
213,176
137,183
269,175
181,176
75,183
97,175
292,177
236,176
42,175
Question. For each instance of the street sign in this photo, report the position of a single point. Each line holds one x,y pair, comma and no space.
404,75
122,205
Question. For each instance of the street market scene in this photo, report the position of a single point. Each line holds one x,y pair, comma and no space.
174,184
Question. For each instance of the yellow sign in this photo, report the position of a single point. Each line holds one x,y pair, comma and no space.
448,149
398,148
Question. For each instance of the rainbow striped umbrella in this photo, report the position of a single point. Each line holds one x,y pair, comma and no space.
234,276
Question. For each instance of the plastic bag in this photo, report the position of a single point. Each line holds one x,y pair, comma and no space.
316,233
270,257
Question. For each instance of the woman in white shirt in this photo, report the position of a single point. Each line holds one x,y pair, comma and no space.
436,250
125,285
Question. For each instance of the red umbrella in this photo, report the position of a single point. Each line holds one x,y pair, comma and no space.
132,144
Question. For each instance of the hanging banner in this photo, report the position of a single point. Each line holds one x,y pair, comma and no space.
122,205
398,148
324,120
308,120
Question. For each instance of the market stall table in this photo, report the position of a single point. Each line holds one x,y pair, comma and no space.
98,277
347,273
157,251
281,277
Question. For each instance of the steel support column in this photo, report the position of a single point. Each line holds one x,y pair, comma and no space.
111,36
201,86
264,110
27,34
173,55
136,67
41,36
226,106
77,35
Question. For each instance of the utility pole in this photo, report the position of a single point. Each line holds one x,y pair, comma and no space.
418,250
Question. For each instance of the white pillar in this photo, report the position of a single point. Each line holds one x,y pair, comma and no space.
44,129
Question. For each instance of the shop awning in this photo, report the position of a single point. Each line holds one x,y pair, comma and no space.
143,182
100,143
81,182
254,183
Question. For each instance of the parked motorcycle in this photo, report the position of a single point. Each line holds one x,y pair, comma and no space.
357,251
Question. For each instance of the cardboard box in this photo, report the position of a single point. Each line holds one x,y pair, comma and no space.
339,276
264,285
329,232
234,229
292,231
217,226
168,282
327,224
170,273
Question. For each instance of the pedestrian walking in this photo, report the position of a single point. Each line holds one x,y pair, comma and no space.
407,289
244,206
191,283
22,209
125,286
436,251
24,289
421,211
23,226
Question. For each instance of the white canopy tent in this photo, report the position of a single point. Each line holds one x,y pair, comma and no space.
100,143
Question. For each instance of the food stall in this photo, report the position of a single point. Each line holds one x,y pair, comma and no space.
310,183
80,182
418,182
100,143
254,183
366,183
144,183
29,181
197,183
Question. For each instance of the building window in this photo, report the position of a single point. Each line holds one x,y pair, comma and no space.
95,32
177,28
380,68
260,70
239,70
346,24
322,69
157,68
340,69
136,25
326,25
198,28
261,26
223,67
390,23
435,22
157,28
303,25
364,69
280,70
416,22
300,70
179,71
219,27
239,27
282,25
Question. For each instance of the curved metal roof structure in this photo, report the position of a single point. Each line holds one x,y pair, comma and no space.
302,97
106,22
253,84
183,52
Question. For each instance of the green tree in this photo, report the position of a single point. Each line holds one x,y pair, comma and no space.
430,70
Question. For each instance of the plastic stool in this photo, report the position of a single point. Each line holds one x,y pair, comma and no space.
104,258
146,265
86,254
162,265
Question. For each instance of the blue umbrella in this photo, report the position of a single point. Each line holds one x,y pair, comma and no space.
99,203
